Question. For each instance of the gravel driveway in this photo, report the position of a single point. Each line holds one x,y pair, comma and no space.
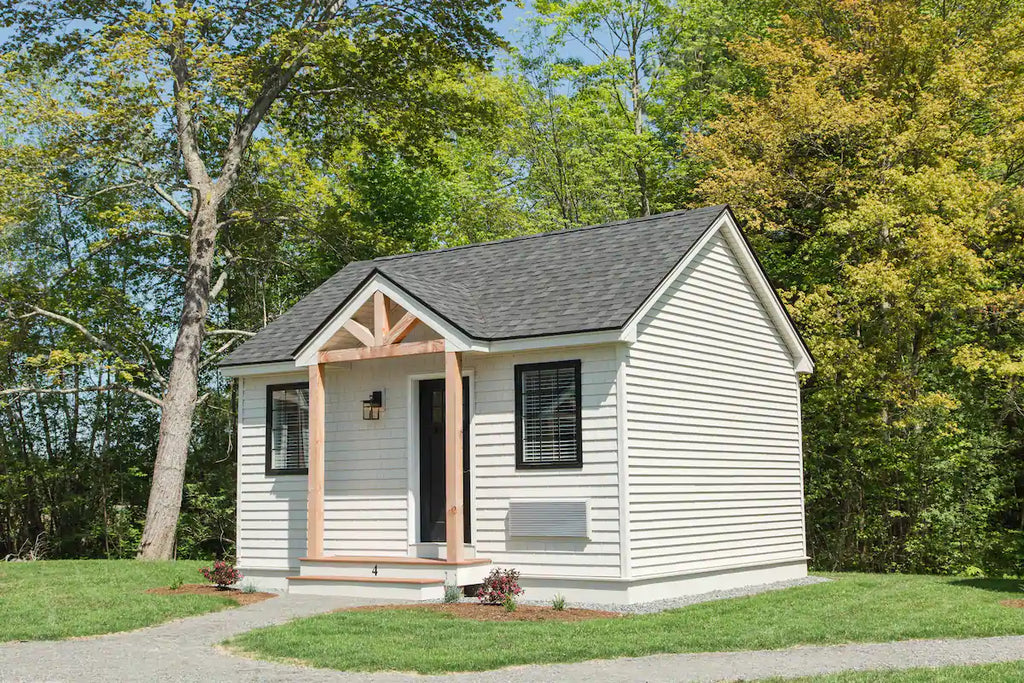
185,650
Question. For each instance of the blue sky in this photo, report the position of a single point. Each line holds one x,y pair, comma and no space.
513,23
514,27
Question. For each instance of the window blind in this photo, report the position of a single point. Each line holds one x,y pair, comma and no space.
549,414
289,434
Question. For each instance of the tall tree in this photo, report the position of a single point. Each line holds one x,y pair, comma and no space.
624,42
168,97
576,169
876,157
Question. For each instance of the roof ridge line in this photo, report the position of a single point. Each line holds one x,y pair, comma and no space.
468,294
549,233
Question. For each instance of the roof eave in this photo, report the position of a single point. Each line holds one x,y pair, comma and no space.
567,339
803,361
376,280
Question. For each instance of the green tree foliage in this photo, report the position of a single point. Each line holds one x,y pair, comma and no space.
625,41
610,94
873,150
878,165
76,450
134,121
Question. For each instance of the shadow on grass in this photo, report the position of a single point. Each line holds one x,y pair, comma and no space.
996,585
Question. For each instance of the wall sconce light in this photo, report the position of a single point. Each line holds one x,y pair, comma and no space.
372,406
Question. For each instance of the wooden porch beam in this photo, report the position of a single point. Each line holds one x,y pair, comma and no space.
401,329
454,537
381,325
315,492
359,331
369,353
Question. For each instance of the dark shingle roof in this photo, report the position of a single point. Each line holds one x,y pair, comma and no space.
577,280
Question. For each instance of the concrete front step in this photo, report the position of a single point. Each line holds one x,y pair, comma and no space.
439,551
410,589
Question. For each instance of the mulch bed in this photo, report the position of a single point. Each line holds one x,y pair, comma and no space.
1012,603
477,612
206,589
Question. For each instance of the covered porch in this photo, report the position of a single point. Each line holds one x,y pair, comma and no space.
383,325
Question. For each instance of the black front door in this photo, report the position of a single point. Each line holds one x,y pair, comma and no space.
432,496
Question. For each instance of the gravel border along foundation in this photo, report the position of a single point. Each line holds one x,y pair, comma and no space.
684,601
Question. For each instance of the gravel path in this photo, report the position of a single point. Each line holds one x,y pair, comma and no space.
185,650
675,603
759,664
182,650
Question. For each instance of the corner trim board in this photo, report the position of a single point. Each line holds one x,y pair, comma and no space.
622,427
315,490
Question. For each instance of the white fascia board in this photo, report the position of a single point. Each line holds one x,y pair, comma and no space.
455,339
802,362
628,332
258,369
553,341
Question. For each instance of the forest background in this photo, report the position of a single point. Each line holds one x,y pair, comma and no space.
873,151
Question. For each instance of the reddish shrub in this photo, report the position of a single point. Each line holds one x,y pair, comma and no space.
500,586
222,573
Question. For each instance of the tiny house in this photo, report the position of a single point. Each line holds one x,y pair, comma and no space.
614,411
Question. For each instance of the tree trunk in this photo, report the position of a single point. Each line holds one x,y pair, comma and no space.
639,110
179,401
180,393
641,177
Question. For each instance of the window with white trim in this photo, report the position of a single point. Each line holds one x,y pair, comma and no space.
288,429
549,421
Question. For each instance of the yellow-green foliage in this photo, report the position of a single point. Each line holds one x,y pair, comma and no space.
873,150
878,162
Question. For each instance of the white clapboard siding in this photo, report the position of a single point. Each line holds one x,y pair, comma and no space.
496,480
366,490
714,452
367,480
271,510
366,509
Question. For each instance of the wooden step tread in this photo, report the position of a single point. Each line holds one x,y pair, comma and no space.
369,579
425,561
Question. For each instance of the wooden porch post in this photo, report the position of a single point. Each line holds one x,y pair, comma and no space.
453,455
315,496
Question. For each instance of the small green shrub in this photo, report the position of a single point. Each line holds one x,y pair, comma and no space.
509,603
177,583
248,587
452,593
558,604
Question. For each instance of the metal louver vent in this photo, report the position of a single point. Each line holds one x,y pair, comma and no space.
548,518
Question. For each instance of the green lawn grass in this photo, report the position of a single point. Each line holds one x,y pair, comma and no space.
1012,672
54,599
851,608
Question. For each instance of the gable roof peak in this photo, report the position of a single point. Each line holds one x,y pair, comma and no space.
560,282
